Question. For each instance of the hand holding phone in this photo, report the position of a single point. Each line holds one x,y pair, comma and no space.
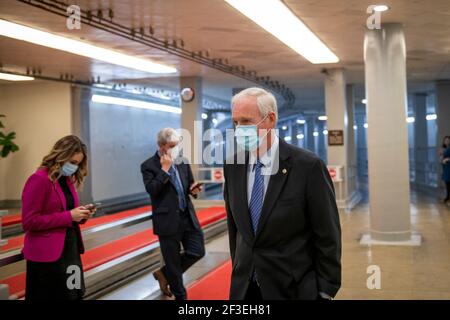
195,189
92,207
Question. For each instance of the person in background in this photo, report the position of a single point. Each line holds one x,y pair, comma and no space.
169,183
50,218
445,160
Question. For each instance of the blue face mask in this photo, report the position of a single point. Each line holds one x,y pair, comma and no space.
247,136
68,169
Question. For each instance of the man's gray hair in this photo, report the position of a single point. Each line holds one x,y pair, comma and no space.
167,135
264,99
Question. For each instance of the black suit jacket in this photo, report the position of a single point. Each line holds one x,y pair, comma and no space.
296,251
164,197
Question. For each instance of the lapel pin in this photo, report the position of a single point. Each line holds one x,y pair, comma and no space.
284,171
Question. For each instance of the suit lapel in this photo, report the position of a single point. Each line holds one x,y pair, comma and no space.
275,186
74,192
60,193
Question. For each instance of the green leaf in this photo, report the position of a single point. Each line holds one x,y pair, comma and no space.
11,136
5,151
6,141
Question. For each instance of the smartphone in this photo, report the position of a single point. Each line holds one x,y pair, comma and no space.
197,186
92,206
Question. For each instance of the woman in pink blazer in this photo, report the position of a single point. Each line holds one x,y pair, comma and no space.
50,217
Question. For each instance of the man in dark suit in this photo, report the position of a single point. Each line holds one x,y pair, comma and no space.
169,182
283,222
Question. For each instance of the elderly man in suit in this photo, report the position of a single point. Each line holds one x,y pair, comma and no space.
169,181
283,222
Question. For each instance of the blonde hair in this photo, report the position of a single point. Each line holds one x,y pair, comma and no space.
63,150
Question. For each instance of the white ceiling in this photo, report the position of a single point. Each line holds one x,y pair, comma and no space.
215,26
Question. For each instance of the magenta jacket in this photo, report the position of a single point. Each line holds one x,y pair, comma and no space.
45,218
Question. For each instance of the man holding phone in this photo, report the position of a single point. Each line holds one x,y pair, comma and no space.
169,181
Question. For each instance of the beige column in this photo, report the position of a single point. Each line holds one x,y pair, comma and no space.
337,119
387,137
191,120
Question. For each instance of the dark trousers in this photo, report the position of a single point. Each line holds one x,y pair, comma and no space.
48,280
176,263
253,292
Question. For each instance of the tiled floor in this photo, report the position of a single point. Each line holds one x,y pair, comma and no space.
146,288
406,272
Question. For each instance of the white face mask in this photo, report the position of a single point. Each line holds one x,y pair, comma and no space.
174,152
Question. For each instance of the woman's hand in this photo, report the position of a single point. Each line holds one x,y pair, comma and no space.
79,214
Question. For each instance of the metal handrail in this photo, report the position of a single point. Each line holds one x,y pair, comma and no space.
2,213
14,256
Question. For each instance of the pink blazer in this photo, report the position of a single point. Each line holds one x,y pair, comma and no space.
45,218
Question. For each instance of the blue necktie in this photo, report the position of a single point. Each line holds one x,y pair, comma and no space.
257,197
178,187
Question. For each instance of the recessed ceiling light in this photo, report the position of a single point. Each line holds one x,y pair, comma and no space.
204,116
381,8
431,117
135,103
14,77
20,32
364,101
300,136
274,17
323,118
301,121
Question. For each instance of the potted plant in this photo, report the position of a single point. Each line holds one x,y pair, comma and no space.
7,144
